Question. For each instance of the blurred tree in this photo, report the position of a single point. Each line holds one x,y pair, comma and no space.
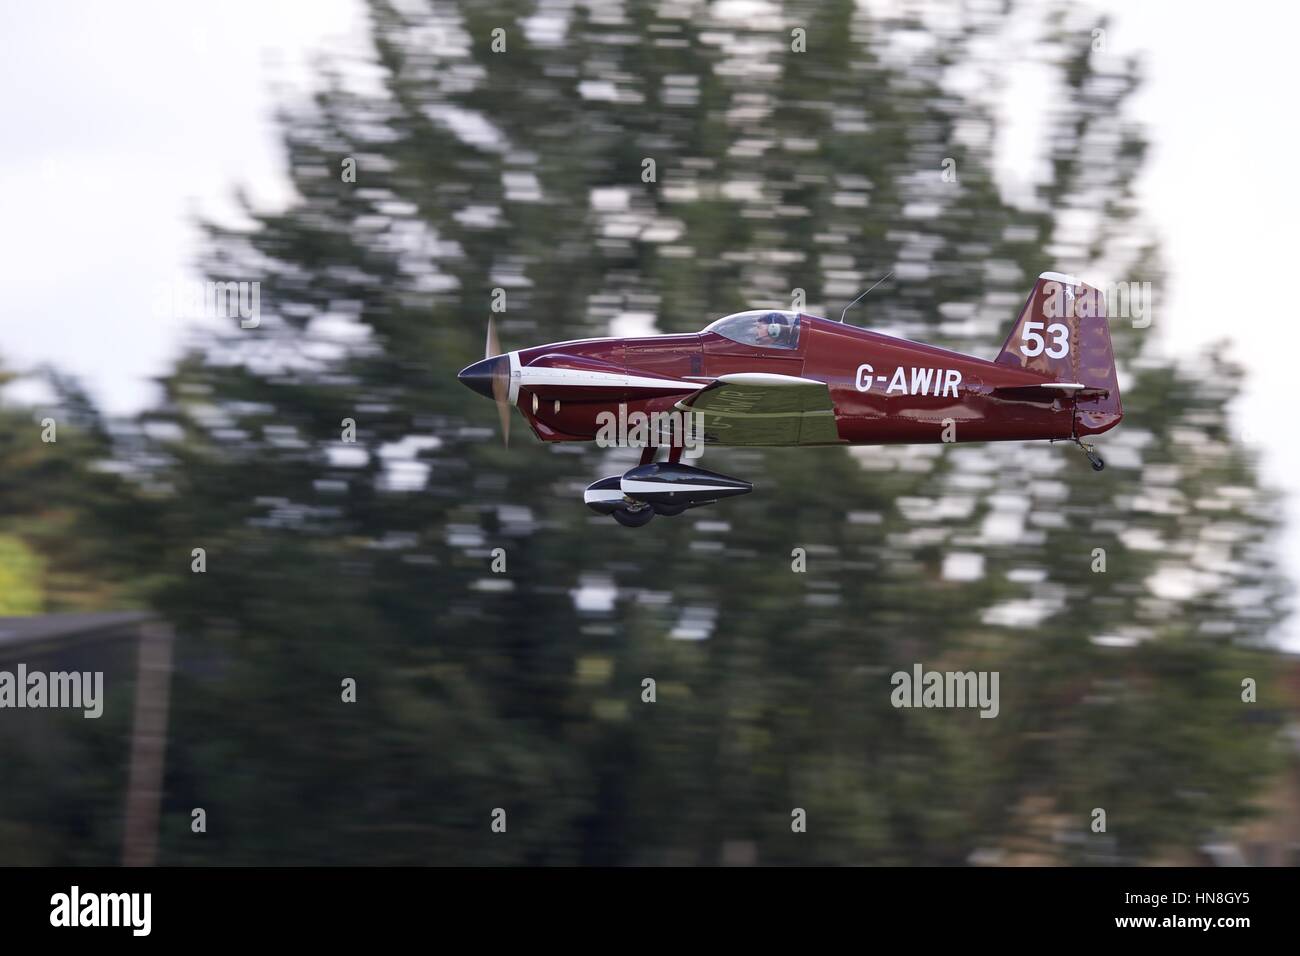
61,503
528,170
20,577
69,527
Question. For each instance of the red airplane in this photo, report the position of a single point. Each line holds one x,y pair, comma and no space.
769,377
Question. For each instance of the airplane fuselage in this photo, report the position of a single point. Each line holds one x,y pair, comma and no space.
885,390
776,378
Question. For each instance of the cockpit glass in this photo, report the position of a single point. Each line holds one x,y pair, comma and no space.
763,328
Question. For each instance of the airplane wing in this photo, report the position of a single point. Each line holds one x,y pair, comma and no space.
762,408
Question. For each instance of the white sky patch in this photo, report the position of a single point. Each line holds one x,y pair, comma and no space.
1124,637
343,329
521,186
695,624
610,199
548,27
479,217
598,90
516,519
409,447
743,190
1174,583
107,167
402,469
663,230
594,595
963,566
1003,525
633,325
472,129
1030,612
465,536
347,456
401,475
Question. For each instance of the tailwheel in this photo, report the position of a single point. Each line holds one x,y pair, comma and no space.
634,517
1090,451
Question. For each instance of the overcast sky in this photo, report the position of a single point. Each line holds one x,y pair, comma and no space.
119,122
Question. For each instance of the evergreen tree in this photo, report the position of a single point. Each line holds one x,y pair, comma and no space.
527,170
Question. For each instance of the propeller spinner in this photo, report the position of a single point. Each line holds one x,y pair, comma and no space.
491,378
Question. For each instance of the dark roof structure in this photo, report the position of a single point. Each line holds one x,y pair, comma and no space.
53,631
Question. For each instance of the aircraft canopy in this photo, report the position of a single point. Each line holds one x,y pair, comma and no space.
764,328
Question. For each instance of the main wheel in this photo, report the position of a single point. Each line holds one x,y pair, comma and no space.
634,519
668,511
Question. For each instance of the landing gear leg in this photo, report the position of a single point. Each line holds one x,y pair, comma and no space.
663,508
637,514
1090,450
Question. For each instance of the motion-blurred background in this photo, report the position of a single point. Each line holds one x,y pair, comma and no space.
796,148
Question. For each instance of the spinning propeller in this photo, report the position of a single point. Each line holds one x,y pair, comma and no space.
491,378
500,380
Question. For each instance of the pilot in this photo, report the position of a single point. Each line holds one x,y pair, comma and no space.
770,329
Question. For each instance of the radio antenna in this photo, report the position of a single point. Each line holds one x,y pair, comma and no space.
864,295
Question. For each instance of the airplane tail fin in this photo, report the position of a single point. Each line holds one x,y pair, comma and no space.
1062,333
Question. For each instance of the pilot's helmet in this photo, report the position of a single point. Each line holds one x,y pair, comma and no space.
776,325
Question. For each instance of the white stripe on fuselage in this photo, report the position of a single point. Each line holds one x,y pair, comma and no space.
532,375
